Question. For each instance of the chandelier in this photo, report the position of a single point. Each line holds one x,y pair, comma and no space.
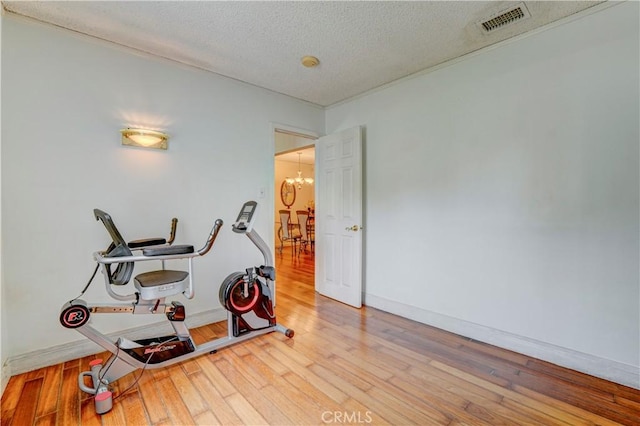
299,180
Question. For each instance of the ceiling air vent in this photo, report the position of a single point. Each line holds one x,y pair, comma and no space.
505,17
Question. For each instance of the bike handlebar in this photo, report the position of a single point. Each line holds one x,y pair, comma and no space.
172,236
212,237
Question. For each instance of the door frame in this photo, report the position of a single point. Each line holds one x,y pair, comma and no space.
295,131
313,137
292,130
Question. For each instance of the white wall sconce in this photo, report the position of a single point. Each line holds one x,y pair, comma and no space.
144,138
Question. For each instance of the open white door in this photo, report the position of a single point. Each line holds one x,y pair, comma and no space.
339,216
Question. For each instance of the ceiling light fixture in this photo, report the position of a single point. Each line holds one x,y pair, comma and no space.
310,61
299,180
144,138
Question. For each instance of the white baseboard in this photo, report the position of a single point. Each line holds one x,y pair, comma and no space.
614,371
80,348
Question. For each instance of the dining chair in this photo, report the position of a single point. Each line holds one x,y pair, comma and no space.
306,231
289,231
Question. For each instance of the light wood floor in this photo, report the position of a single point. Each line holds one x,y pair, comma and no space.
344,365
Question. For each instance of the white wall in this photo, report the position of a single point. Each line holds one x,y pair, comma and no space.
285,142
65,97
510,188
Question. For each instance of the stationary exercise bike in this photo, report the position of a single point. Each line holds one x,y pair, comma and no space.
248,297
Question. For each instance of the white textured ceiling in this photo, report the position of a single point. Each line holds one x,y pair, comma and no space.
361,45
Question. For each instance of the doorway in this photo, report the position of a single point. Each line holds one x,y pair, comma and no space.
295,192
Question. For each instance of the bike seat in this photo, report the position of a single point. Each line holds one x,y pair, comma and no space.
157,284
167,250
146,242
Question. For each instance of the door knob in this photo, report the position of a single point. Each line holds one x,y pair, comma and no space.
354,228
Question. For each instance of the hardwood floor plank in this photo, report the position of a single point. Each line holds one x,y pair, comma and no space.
5,418
445,354
431,378
198,337
430,401
569,410
240,350
152,399
414,414
388,413
528,397
236,377
48,402
493,418
216,402
448,404
190,366
243,367
216,377
390,390
115,417
582,379
175,406
25,412
74,363
325,360
484,348
303,371
245,410
363,356
187,391
128,384
320,398
281,402
266,409
69,405
206,419
432,391
258,352
594,401
35,374
540,417
405,355
287,349
46,420
633,405
344,338
12,393
262,368
309,409
507,413
88,415
364,413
